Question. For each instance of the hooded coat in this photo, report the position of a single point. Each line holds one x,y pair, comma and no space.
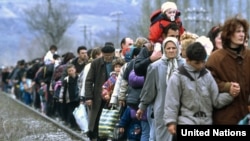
154,89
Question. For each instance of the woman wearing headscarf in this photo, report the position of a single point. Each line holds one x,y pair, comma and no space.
154,89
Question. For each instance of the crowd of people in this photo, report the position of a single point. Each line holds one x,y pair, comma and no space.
172,77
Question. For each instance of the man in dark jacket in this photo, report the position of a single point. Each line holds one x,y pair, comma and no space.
81,60
97,75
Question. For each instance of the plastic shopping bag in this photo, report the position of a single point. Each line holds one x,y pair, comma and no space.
81,117
245,120
107,122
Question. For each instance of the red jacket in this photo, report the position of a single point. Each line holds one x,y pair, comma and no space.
155,30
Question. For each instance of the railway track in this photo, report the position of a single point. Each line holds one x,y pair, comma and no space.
19,122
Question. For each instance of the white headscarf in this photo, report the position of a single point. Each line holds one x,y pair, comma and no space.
172,62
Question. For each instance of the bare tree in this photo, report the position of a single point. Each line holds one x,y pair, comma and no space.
49,21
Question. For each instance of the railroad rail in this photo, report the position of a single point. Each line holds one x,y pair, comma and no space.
16,116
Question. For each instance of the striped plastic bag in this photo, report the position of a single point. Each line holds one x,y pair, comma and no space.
107,122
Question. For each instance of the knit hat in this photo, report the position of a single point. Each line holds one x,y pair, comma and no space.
167,5
109,44
108,49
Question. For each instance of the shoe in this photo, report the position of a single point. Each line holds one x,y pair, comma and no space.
65,123
57,119
84,134
74,128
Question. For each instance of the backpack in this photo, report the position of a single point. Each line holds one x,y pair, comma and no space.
135,81
57,89
31,72
128,52
135,84
133,114
45,73
58,72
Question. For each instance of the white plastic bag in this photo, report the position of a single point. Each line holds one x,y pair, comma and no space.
81,117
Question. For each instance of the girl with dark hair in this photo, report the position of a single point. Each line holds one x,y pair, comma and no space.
215,36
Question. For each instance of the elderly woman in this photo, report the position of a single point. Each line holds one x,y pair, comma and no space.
154,88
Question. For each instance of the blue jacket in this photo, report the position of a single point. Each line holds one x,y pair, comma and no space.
132,126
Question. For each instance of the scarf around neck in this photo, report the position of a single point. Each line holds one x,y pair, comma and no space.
171,65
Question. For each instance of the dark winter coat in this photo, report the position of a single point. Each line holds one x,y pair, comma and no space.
142,62
96,77
131,125
135,84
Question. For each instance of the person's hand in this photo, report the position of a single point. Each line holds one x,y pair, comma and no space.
157,54
139,114
121,130
60,100
122,103
52,61
149,46
234,89
172,128
113,105
107,97
89,102
33,83
15,80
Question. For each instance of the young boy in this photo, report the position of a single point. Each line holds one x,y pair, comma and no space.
167,15
108,86
69,94
48,58
26,90
130,126
43,96
192,92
